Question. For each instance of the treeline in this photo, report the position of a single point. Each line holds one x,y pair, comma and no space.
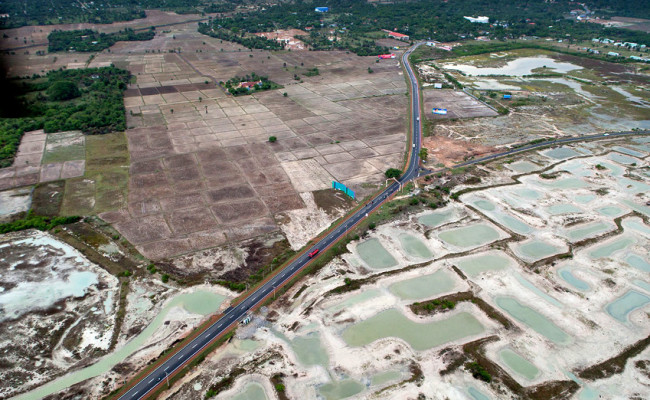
49,12
493,47
32,221
354,43
621,8
88,40
425,19
94,106
250,41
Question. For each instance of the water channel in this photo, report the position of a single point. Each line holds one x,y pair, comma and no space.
199,302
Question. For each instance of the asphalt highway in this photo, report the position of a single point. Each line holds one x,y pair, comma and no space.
235,314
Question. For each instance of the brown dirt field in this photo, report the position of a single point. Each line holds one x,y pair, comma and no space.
193,150
332,200
458,105
449,151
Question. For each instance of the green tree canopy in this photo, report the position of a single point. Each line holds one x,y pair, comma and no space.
393,173
63,90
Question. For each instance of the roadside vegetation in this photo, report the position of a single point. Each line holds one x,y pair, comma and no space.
66,12
88,40
89,100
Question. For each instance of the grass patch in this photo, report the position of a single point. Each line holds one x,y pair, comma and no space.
47,198
104,186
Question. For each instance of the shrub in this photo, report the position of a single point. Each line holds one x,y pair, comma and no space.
393,173
272,139
478,372
165,278
63,90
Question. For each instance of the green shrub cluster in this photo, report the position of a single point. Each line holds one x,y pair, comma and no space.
478,372
32,221
232,85
236,286
87,40
251,42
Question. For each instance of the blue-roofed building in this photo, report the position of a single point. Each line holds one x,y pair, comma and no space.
322,9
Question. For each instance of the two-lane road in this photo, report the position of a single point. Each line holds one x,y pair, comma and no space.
234,314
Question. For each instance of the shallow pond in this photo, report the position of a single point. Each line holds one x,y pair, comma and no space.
638,262
309,350
642,284
485,205
523,167
474,265
200,302
477,394
533,319
610,211
564,183
375,255
622,159
588,230
517,67
584,198
340,389
435,219
613,168
469,236
611,247
420,336
413,246
528,194
26,296
385,377
423,287
563,208
636,224
356,299
561,153
535,249
252,391
632,186
567,275
512,223
519,364
629,152
637,207
528,285
630,301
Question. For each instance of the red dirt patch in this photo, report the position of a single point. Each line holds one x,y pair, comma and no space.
449,151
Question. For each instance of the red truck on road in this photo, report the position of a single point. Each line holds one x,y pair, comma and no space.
313,253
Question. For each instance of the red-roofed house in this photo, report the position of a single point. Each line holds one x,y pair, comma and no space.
396,35
249,85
